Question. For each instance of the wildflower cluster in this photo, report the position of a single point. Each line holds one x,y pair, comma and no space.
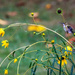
4,42
53,56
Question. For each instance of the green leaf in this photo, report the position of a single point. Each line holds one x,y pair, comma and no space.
30,64
71,62
47,53
55,68
63,42
66,69
55,39
72,70
31,71
13,53
60,66
52,66
48,71
55,51
35,68
33,63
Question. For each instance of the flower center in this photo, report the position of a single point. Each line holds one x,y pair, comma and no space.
62,58
59,11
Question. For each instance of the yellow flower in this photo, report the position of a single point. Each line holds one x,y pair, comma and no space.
2,32
52,41
36,28
63,59
6,71
32,28
43,34
69,49
15,60
36,59
74,34
34,33
66,53
32,14
40,28
5,43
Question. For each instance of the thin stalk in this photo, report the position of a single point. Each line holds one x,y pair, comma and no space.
60,66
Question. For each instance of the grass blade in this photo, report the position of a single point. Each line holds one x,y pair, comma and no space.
48,71
60,66
35,68
72,70
55,51
52,66
30,64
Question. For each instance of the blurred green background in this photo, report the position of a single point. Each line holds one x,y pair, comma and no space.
17,11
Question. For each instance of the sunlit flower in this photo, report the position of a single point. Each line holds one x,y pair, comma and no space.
74,34
6,71
5,43
66,53
59,11
2,32
36,59
36,28
63,60
52,41
32,14
68,50
43,34
40,28
15,60
32,28
34,33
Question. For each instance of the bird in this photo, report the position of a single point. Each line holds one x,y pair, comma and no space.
67,28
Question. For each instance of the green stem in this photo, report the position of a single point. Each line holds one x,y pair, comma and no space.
55,52
10,54
60,66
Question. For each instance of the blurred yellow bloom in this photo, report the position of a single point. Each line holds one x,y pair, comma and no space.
43,34
36,28
66,53
34,33
48,6
74,34
69,49
36,59
63,59
32,28
32,14
40,28
6,71
15,60
52,41
2,32
5,43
